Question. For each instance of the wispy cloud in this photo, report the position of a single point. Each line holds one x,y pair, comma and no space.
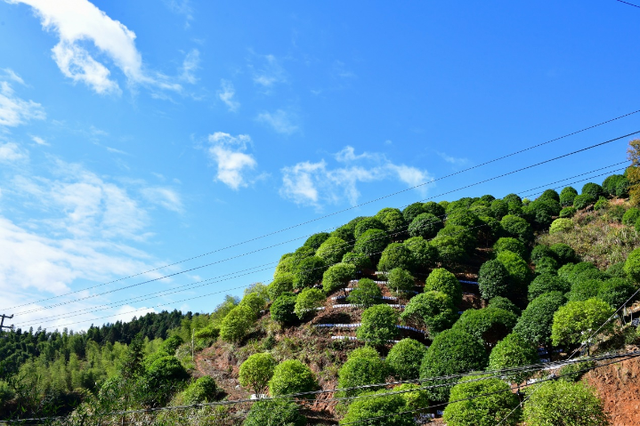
227,93
181,7
315,183
11,75
453,160
228,152
79,21
280,120
164,197
39,140
15,111
189,66
10,152
269,73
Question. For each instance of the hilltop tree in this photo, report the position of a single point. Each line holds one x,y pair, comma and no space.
337,276
425,225
433,310
332,250
442,280
256,371
308,272
396,255
236,324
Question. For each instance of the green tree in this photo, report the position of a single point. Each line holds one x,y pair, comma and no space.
493,279
366,293
517,227
308,272
282,309
256,371
545,283
512,244
504,303
567,195
367,223
424,254
405,357
425,225
162,379
236,324
411,211
282,284
433,311
563,253
332,250
254,301
513,351
632,264
452,352
275,412
292,376
592,189
451,251
576,321
337,276
496,403
416,400
379,411
442,280
202,390
535,322
616,291
561,403
392,220
316,240
307,301
400,280
582,201
489,325
360,371
378,325
372,242
396,255
358,260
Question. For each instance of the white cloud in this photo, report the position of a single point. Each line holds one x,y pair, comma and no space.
182,7
164,197
316,184
190,64
15,111
228,153
453,160
77,22
226,94
39,140
10,152
270,73
11,75
280,121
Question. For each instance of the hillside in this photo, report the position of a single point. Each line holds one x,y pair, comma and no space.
427,294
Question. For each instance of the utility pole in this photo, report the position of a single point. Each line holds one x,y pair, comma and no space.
2,317
192,331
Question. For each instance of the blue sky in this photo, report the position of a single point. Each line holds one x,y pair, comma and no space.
137,134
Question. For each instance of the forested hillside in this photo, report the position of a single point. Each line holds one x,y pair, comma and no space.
471,312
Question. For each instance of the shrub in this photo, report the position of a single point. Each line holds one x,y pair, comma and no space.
364,352
256,371
359,260
316,240
307,301
442,280
434,311
547,265
540,212
493,279
535,323
285,265
6,393
517,227
540,251
568,212
511,352
504,303
291,376
616,186
452,352
561,225
434,208
516,267
202,390
337,276
632,265
513,198
162,379
582,201
282,284
576,319
367,223
392,220
465,237
345,232
490,230
274,412
616,291
396,255
366,293
617,270
474,410
400,280
282,309
360,371
564,404
499,209
416,399
582,290
489,325
571,271
372,242
631,216
255,302
511,244
464,218
308,272
601,204
236,324
412,210
563,253
567,195
425,225
405,357
545,283
550,194
368,411
450,250
592,189
424,254
573,372
378,325
332,250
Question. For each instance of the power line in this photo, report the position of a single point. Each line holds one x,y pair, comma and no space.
336,212
630,4
274,245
